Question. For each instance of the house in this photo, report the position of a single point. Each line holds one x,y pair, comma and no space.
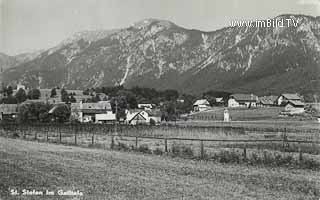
201,105
135,117
284,98
219,101
145,106
267,101
242,100
294,107
8,111
100,112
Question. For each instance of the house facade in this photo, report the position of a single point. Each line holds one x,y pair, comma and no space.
8,111
201,105
284,98
242,100
135,117
100,112
294,107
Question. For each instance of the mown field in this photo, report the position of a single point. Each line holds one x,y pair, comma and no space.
240,114
105,174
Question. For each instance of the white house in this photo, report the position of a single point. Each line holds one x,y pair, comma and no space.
201,105
135,117
242,100
284,98
294,107
100,112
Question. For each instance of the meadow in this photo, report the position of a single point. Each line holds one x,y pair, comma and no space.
107,174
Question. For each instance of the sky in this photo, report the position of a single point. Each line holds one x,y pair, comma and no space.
29,25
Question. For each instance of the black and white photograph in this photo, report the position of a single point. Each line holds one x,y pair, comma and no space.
159,100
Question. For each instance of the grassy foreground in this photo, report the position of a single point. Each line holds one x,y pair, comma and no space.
102,174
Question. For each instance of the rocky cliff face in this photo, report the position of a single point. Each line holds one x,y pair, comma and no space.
160,54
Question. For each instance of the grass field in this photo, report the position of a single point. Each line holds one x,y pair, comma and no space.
103,174
240,114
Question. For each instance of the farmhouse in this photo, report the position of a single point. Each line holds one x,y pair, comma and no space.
242,100
294,107
267,101
201,105
284,98
135,117
8,111
100,112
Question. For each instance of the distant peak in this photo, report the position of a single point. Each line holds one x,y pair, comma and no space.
148,21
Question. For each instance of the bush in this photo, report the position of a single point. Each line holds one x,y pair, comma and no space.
157,151
122,146
182,150
227,157
144,148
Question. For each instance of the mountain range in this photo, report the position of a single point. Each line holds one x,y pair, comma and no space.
160,54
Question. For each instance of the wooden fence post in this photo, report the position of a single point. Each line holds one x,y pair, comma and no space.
166,145
75,136
300,153
47,130
112,142
201,149
136,142
245,152
60,135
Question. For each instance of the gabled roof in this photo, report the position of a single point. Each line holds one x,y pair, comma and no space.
138,117
99,107
201,102
296,103
291,96
244,97
267,100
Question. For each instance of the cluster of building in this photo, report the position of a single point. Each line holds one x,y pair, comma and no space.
101,112
293,103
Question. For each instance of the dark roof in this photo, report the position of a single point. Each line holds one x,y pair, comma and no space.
244,97
101,105
291,96
296,103
267,100
8,108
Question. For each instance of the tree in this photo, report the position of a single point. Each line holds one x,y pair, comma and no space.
53,92
72,99
34,94
21,95
64,96
61,113
119,106
9,90
33,112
